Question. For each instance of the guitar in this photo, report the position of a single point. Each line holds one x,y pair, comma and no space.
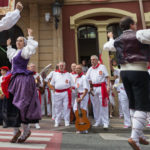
82,123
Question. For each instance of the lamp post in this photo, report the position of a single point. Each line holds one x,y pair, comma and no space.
56,10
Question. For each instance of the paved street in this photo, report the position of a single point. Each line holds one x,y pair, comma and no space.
65,138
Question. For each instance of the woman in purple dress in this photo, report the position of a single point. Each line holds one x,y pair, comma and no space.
23,105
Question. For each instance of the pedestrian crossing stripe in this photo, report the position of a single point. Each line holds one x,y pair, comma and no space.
116,137
39,140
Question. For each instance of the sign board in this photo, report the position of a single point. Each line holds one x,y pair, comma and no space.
6,5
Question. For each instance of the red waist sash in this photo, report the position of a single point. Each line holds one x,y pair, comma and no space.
105,96
69,95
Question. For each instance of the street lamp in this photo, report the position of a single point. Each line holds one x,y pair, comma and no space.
56,10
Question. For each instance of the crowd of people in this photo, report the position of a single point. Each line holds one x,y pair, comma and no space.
27,95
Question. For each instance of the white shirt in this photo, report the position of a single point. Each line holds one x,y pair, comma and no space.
62,80
149,71
9,20
49,76
27,51
73,76
142,35
97,75
81,84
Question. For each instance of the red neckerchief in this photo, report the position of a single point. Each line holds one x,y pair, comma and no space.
34,72
62,71
73,72
148,67
96,66
80,75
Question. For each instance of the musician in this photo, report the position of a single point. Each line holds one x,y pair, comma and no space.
11,18
62,83
133,53
82,87
3,71
21,104
98,75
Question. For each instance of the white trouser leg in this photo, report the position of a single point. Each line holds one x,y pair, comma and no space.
120,107
126,111
47,102
58,106
148,118
53,104
43,103
104,113
66,110
83,104
139,122
96,108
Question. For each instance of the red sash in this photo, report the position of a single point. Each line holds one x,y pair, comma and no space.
105,95
40,98
5,84
69,95
49,95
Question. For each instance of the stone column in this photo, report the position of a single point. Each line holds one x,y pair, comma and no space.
34,24
57,42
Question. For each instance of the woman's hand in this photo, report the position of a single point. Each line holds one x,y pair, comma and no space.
19,6
8,42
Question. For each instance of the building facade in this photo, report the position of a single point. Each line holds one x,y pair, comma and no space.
82,28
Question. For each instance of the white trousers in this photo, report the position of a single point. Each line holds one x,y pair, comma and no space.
45,97
120,106
53,104
101,114
125,109
61,107
83,104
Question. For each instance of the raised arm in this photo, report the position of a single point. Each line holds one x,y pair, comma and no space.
143,36
109,46
11,18
31,46
10,51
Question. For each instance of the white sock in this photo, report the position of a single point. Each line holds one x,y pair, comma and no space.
138,124
26,130
15,131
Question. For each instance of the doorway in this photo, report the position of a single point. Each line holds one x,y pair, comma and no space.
13,34
87,43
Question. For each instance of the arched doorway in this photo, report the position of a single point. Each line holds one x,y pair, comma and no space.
12,33
87,42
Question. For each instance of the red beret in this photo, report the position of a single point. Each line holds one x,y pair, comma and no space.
5,68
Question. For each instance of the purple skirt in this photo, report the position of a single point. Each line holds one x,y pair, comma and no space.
25,97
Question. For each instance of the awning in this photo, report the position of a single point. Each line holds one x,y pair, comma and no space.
6,5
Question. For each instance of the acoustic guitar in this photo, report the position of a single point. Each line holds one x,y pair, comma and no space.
82,123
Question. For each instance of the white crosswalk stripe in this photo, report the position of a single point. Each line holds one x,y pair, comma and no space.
36,137
116,137
24,145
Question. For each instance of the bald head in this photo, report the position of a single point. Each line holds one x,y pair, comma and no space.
32,67
78,69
